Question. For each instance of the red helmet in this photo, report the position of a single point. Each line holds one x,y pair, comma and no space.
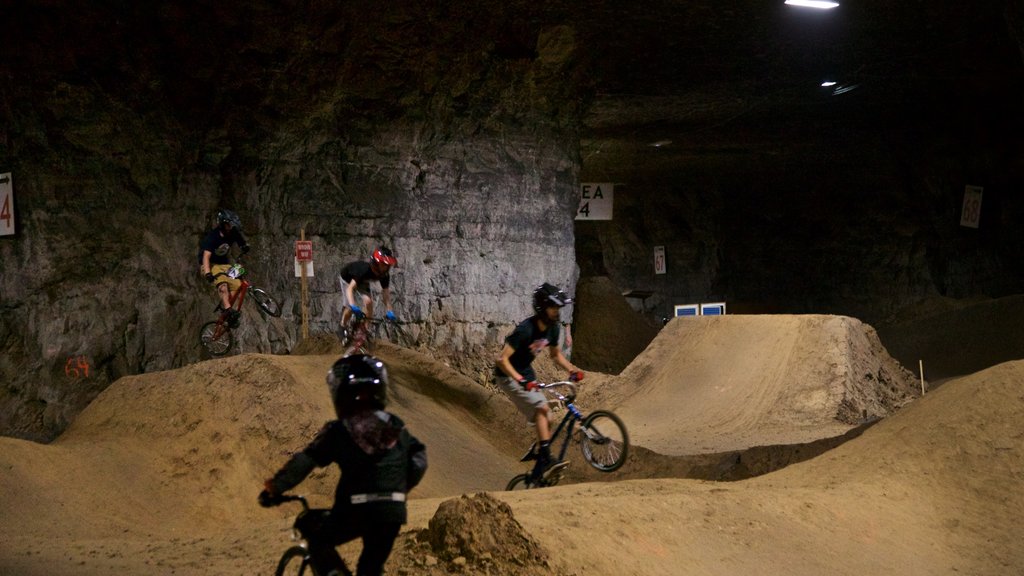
383,255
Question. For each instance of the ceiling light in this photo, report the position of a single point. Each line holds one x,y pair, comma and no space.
820,4
827,83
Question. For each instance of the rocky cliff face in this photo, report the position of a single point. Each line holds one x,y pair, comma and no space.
457,133
359,124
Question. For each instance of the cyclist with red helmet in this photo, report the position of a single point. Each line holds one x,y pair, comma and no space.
355,281
215,258
380,462
514,374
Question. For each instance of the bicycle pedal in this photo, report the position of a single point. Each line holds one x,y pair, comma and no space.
555,471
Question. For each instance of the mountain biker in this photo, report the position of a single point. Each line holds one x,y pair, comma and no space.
214,258
355,281
514,374
380,463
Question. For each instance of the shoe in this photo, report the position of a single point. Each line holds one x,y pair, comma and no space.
548,474
543,463
233,317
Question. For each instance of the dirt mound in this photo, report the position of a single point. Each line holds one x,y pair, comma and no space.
473,534
722,383
607,333
957,337
159,474
325,344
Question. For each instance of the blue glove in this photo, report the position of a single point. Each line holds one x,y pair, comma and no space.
391,316
357,311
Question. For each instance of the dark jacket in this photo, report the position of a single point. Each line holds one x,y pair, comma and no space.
378,458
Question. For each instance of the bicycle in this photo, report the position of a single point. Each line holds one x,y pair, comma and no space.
358,337
601,434
296,559
215,336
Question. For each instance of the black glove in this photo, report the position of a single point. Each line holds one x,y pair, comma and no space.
268,500
245,249
209,277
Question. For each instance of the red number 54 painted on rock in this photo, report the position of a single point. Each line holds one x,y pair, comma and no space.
77,367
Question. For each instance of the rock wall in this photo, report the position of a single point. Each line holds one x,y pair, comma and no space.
358,123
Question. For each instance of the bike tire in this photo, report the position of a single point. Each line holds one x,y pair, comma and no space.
266,302
518,483
216,338
604,441
294,561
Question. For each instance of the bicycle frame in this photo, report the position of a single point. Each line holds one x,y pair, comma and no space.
572,416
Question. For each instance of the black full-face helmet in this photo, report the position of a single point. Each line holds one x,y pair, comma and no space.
358,382
549,295
225,216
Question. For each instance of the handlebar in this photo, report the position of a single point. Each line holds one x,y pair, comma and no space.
372,320
567,398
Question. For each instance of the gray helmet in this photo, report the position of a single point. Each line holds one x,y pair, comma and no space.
225,216
358,382
549,295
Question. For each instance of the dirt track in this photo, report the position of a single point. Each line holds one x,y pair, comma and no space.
159,474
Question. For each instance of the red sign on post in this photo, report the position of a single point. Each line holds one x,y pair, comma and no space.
304,250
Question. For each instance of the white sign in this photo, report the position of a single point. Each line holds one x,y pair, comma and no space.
6,205
595,201
298,270
971,213
659,259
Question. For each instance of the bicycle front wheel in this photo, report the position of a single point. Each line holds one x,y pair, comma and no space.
216,337
604,441
266,302
517,483
294,561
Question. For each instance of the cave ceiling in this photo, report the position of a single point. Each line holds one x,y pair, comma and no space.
708,82
661,82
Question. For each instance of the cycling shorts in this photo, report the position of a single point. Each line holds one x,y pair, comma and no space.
526,401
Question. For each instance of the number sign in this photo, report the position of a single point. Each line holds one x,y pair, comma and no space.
659,260
971,214
6,205
595,201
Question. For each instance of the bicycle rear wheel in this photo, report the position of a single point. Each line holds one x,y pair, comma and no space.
216,337
294,561
518,483
266,302
604,441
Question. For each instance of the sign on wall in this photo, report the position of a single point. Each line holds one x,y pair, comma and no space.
659,259
970,216
6,205
595,201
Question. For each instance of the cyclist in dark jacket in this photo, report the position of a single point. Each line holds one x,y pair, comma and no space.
380,463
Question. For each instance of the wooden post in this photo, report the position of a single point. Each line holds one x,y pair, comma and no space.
920,366
305,292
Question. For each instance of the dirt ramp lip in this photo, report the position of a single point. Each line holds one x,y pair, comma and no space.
727,383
